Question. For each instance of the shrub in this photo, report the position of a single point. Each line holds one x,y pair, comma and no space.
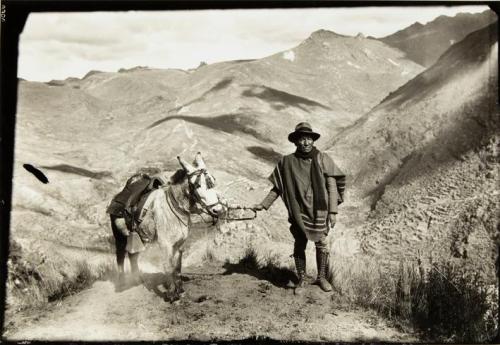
35,278
455,304
84,277
445,301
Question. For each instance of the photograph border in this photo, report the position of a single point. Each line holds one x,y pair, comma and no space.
14,14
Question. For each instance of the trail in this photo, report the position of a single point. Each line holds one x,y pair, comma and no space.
217,305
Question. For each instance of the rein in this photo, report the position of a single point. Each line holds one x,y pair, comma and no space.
241,218
205,208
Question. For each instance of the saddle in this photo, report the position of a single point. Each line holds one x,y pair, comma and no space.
129,203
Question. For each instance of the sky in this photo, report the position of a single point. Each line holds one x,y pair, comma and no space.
61,45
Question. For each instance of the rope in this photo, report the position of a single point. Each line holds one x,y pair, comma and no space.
176,211
241,218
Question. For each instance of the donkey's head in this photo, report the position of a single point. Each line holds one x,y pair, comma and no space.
201,184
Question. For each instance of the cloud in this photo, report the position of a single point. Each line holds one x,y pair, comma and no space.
58,45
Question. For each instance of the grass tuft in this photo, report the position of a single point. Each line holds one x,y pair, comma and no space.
267,267
35,279
444,302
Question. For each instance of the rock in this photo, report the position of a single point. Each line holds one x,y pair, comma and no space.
202,298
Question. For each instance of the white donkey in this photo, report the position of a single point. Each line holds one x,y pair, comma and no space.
190,190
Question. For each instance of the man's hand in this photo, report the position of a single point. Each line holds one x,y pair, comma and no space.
257,207
332,219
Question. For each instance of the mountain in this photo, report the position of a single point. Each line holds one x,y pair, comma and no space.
329,79
89,135
425,43
426,160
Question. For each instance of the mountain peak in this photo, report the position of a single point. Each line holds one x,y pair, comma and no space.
92,72
323,34
133,69
436,35
416,25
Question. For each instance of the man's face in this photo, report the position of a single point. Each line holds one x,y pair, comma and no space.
304,143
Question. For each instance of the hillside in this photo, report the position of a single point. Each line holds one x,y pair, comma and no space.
427,161
431,109
437,36
331,77
111,124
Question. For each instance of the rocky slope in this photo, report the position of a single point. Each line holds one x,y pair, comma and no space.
437,36
427,160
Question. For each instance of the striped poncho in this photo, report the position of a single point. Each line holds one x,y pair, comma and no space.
294,179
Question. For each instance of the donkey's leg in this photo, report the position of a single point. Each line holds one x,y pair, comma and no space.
172,278
120,259
168,268
177,263
177,257
178,266
134,262
168,233
119,227
134,265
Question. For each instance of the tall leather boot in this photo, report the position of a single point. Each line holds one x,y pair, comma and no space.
300,265
322,265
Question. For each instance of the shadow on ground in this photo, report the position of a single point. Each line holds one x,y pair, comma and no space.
268,270
163,285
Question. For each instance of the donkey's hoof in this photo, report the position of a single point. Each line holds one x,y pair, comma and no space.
120,282
172,298
179,289
136,279
120,286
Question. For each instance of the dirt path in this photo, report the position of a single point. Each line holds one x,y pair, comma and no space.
215,306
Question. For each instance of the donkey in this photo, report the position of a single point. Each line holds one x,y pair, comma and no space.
190,190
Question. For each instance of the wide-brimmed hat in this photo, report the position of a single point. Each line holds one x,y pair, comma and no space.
300,129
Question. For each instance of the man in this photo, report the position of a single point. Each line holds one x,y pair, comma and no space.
311,186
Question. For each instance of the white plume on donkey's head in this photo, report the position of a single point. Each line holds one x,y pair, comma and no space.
198,161
200,164
186,166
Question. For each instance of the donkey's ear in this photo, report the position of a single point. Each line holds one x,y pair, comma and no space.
198,161
188,167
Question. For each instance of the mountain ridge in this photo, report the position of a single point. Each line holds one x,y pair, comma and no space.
427,162
437,35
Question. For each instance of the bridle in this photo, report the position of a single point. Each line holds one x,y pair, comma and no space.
207,208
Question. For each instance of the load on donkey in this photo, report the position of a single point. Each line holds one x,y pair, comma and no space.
156,209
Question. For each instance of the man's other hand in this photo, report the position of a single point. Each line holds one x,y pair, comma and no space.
257,207
332,219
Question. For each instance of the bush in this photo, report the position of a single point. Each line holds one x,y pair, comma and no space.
84,278
445,301
35,278
455,305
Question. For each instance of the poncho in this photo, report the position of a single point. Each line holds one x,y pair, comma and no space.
301,183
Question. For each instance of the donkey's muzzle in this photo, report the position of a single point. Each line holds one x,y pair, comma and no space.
217,210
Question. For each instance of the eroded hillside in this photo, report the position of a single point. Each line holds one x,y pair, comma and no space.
428,161
437,36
